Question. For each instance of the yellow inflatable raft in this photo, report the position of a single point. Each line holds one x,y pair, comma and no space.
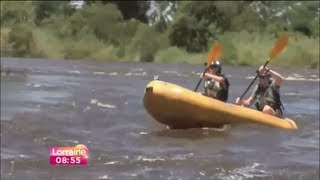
181,108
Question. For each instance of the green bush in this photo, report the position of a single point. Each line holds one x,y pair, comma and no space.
60,27
125,33
104,20
15,13
174,55
253,49
82,48
21,38
145,43
229,53
314,26
44,10
243,48
107,53
171,55
6,47
47,44
301,51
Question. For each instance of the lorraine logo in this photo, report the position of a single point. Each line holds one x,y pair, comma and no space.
77,155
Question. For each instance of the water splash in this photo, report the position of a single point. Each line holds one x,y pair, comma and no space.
252,171
104,177
74,72
99,104
111,163
99,73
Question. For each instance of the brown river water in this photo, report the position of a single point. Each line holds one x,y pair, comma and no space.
47,103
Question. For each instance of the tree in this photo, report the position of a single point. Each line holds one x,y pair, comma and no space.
160,14
190,29
44,9
16,13
129,9
298,16
145,43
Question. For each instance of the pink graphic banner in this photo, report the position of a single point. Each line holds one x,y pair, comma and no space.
77,155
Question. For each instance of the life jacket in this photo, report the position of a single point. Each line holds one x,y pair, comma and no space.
269,96
217,90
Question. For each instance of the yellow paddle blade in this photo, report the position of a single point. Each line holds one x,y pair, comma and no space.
279,46
214,54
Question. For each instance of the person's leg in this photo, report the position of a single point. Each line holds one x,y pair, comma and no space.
269,110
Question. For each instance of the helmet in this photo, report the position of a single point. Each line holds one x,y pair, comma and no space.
216,65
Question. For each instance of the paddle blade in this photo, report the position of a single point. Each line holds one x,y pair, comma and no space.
279,46
214,54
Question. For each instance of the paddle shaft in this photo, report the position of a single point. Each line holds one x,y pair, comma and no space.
205,70
265,64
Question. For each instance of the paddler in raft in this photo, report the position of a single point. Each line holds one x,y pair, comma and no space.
216,84
266,93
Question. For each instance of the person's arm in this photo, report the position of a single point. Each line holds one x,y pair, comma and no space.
215,77
276,76
248,102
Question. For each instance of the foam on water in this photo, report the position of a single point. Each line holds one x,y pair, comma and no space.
290,78
99,104
183,75
141,158
110,106
113,73
111,163
256,170
106,176
74,72
182,156
136,69
170,72
140,74
99,73
292,94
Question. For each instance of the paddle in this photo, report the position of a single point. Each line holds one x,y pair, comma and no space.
214,55
277,48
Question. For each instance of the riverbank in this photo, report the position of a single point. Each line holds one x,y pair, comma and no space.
104,31
240,49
